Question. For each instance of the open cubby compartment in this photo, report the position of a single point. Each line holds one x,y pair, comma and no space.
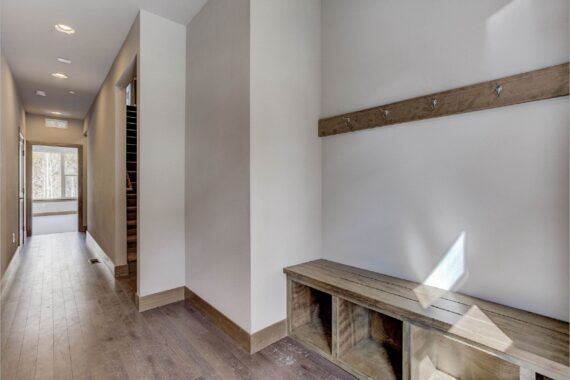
311,317
369,343
438,357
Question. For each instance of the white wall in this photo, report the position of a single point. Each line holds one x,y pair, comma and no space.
40,207
285,150
162,78
396,198
217,158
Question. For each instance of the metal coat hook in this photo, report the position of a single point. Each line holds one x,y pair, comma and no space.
385,113
498,90
434,103
347,122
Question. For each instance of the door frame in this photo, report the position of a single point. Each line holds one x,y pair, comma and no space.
29,151
22,189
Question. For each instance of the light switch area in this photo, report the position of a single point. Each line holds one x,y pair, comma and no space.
13,237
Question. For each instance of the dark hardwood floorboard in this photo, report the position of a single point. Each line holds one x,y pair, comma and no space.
64,318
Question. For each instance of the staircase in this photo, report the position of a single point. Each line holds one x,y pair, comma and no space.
132,203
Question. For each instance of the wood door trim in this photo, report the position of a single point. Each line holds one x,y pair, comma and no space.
546,83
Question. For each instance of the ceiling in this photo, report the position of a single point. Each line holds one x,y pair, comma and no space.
32,45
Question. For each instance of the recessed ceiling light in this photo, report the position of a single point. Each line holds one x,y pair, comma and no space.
40,93
63,60
59,75
56,113
72,92
64,29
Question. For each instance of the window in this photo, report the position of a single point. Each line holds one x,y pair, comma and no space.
56,123
54,172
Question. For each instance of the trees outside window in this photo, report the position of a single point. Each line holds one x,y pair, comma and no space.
54,172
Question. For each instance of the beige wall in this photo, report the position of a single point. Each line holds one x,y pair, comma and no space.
12,120
106,169
36,131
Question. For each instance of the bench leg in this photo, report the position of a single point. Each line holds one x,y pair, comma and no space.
406,352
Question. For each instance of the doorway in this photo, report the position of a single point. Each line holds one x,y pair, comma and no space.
54,183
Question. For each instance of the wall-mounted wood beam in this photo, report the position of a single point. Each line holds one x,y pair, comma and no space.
550,82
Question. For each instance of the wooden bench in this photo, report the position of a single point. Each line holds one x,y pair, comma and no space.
381,327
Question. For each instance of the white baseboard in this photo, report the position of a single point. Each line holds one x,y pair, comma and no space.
96,249
10,270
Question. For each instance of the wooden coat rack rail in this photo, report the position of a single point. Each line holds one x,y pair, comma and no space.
550,82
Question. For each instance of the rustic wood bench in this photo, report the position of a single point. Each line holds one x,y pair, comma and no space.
381,327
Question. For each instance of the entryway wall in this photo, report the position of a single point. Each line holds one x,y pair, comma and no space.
396,198
253,156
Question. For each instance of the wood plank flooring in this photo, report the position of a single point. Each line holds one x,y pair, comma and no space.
63,318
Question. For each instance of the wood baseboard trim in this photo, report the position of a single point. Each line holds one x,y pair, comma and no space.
159,299
267,336
251,343
218,318
121,270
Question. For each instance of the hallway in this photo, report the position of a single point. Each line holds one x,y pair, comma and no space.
63,318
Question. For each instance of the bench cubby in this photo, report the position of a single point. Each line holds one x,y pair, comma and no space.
369,343
435,356
310,319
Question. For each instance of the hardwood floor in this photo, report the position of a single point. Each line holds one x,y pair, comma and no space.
64,318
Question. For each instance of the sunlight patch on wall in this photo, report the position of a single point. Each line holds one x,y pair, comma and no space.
445,275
